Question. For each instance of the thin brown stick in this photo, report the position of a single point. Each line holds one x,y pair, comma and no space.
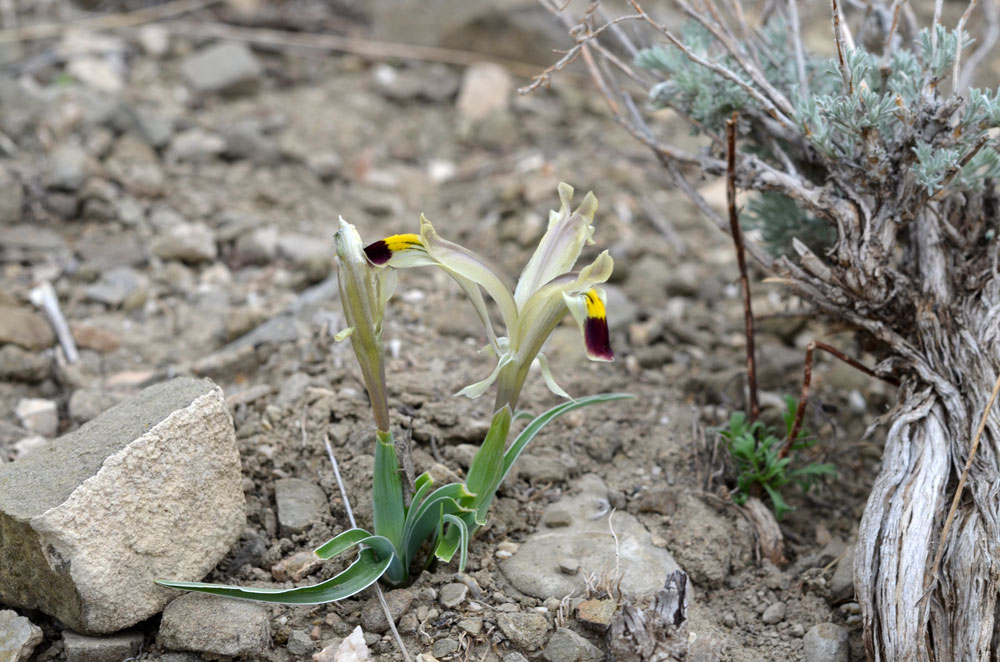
887,51
807,367
741,260
931,578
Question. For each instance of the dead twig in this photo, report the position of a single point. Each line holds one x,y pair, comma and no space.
741,260
800,57
44,297
838,37
989,38
956,66
354,524
807,380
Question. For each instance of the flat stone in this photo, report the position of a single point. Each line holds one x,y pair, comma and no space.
116,286
18,637
25,328
567,646
69,166
218,626
443,647
115,648
187,242
228,68
21,366
195,146
453,595
299,643
825,642
569,566
528,631
534,568
103,251
373,616
471,625
296,567
88,336
135,165
486,88
300,503
38,415
150,489
775,613
842,582
596,614
31,237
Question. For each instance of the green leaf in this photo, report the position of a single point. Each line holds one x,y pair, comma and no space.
341,542
361,574
422,518
545,418
778,501
387,490
486,469
422,485
455,539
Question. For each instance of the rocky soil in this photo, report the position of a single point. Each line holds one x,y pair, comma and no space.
180,194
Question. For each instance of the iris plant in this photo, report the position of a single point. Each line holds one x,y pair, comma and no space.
447,516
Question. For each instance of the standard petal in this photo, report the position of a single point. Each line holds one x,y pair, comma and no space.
460,261
559,249
587,308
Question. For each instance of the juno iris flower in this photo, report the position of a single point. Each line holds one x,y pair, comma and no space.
547,289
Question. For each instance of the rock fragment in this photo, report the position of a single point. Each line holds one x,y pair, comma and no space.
38,415
567,646
217,626
188,242
11,198
227,68
151,488
115,648
486,89
775,613
596,614
452,595
300,503
527,630
25,328
825,642
21,366
373,616
18,637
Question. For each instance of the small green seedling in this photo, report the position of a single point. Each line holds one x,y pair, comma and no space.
448,516
756,451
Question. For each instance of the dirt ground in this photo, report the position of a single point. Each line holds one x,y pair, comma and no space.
379,142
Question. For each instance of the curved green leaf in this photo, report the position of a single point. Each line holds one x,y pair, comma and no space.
423,517
456,539
361,574
387,490
341,542
535,426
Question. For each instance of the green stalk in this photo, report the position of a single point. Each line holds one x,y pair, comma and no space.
387,501
487,468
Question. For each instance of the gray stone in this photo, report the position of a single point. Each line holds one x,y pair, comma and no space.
842,582
195,146
150,489
325,165
567,646
514,656
373,616
21,109
825,642
21,366
534,568
300,503
153,127
215,625
301,249
527,630
775,613
38,415
135,165
116,285
31,237
486,89
25,328
259,246
647,280
115,648
245,139
18,637
471,625
69,167
299,643
228,68
569,566
106,251
443,647
88,403
11,198
453,595
188,242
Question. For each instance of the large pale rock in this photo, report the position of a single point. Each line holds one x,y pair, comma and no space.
150,489
534,568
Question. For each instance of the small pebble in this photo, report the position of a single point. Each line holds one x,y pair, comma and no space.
444,647
569,566
774,614
729,620
797,630
453,595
